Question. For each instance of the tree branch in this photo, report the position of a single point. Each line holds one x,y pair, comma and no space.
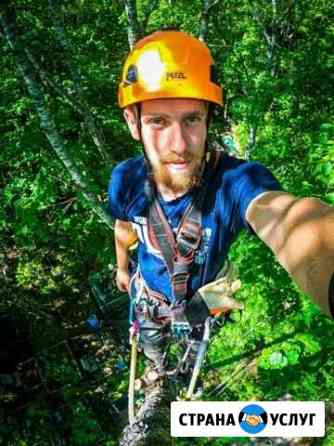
269,38
150,7
48,83
205,17
95,133
47,123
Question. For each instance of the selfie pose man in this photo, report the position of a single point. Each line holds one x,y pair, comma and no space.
185,203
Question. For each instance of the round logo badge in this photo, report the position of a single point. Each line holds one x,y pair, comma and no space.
253,419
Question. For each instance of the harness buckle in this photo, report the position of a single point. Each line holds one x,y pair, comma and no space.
189,238
186,244
179,285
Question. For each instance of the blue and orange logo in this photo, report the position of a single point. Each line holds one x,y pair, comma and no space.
253,419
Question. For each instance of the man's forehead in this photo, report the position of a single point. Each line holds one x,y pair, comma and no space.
173,107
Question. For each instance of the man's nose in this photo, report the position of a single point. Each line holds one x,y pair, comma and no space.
179,143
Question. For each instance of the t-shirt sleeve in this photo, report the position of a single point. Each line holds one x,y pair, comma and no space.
251,180
117,193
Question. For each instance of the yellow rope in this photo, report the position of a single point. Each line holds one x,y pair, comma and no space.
133,363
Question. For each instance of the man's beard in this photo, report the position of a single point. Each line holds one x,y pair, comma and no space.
178,182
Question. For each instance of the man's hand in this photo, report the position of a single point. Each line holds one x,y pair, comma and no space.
218,296
122,280
213,299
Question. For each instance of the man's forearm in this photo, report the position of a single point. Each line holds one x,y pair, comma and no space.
125,237
308,251
314,278
122,257
300,232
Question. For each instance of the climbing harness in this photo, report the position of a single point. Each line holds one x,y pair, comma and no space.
178,252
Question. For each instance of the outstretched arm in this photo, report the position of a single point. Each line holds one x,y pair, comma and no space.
300,232
125,237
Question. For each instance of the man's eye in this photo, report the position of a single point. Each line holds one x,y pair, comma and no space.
193,119
157,121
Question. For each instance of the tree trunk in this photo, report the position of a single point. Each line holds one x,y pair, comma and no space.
204,25
152,422
251,141
47,123
134,28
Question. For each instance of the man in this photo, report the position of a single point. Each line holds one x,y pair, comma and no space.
198,201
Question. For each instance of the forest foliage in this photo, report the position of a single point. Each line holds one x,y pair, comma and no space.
62,132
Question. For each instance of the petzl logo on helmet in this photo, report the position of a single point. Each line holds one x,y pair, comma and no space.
175,75
253,419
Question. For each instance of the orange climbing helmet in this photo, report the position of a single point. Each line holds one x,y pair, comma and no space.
169,64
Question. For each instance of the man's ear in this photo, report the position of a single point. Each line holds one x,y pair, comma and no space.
131,118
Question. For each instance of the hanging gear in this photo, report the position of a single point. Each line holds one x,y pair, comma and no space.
169,64
199,358
180,325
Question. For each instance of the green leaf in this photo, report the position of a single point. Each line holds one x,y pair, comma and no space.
330,197
278,360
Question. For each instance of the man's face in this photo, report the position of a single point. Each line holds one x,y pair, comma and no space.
173,133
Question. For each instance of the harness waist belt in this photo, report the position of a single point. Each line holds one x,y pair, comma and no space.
160,306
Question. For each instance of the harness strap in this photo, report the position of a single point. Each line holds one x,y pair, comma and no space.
161,234
178,253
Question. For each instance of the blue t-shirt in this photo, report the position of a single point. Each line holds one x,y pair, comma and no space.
230,190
